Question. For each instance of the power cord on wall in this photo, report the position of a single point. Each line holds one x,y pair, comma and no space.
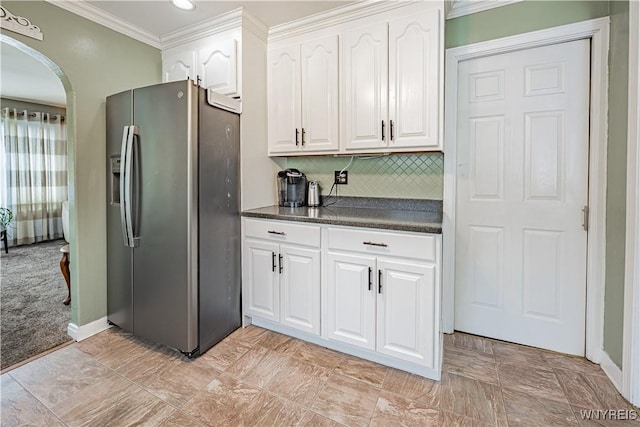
328,197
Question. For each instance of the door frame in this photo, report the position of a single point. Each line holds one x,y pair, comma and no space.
597,31
631,328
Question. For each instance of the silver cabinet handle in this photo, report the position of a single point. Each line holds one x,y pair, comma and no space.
279,233
382,245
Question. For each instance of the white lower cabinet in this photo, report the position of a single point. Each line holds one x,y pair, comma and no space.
379,297
300,288
351,299
406,325
260,279
383,304
281,281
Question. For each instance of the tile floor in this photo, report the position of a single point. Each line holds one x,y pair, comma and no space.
257,377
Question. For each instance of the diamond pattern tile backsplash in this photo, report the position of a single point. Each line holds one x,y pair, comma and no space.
404,176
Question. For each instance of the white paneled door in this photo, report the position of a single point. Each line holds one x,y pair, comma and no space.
521,186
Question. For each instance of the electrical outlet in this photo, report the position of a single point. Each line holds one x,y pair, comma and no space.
341,178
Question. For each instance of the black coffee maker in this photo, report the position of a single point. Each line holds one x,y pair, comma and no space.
292,188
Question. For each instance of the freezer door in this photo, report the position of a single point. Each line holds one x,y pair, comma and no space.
219,252
119,256
165,215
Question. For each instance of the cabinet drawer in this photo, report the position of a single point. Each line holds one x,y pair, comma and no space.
384,243
284,232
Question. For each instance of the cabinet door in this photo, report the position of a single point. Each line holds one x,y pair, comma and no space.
351,299
217,65
300,288
178,65
365,84
260,279
414,75
407,318
284,100
320,95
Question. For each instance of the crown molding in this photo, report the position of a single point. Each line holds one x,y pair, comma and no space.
216,25
333,17
455,8
92,13
231,20
254,26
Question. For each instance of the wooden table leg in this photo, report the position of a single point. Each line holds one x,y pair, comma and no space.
64,267
4,241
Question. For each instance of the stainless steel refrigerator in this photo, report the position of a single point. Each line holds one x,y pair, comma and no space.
173,226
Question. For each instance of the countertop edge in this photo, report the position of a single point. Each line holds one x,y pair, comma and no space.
431,228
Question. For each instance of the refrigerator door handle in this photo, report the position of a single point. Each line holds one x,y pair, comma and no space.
123,168
127,185
135,239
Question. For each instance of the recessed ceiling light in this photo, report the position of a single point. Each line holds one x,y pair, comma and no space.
183,4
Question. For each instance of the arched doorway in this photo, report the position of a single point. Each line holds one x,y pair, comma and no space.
19,52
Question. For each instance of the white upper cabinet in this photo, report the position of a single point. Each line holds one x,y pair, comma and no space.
365,75
285,120
212,60
178,65
391,74
303,98
218,68
320,95
413,81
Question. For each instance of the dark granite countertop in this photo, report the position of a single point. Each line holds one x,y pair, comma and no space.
389,214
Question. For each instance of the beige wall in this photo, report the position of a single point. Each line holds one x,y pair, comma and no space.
616,180
519,18
94,62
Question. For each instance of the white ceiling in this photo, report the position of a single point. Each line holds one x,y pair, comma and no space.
161,17
25,78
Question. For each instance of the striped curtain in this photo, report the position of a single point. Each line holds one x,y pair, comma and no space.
34,181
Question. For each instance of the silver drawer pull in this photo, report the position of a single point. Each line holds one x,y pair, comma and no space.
382,245
279,233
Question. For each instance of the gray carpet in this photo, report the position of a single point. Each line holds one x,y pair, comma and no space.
32,288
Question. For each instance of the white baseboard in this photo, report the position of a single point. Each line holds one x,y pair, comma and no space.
611,369
79,333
